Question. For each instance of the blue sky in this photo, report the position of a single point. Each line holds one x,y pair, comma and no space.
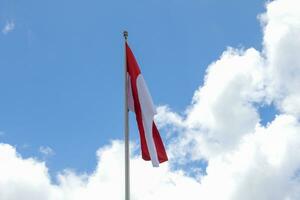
61,66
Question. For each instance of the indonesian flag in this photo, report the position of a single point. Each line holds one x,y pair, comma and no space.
140,102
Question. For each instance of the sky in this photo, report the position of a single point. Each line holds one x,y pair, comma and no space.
62,66
223,75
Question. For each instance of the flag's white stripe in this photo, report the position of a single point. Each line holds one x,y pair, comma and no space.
145,97
148,112
150,142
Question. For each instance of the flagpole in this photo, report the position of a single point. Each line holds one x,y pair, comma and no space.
126,128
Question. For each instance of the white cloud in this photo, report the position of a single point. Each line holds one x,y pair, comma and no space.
9,27
246,160
281,48
46,151
28,179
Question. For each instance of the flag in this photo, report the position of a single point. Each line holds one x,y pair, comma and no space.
140,102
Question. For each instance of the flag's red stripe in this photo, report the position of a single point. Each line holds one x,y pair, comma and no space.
160,149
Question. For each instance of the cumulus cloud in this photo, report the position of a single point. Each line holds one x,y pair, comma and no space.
28,179
9,26
245,159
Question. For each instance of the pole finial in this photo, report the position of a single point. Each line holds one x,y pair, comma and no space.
125,34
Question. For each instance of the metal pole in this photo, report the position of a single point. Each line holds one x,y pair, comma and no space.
126,126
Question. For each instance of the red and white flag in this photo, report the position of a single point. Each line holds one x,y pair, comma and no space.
140,102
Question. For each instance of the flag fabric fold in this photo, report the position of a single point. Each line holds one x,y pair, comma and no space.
140,102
